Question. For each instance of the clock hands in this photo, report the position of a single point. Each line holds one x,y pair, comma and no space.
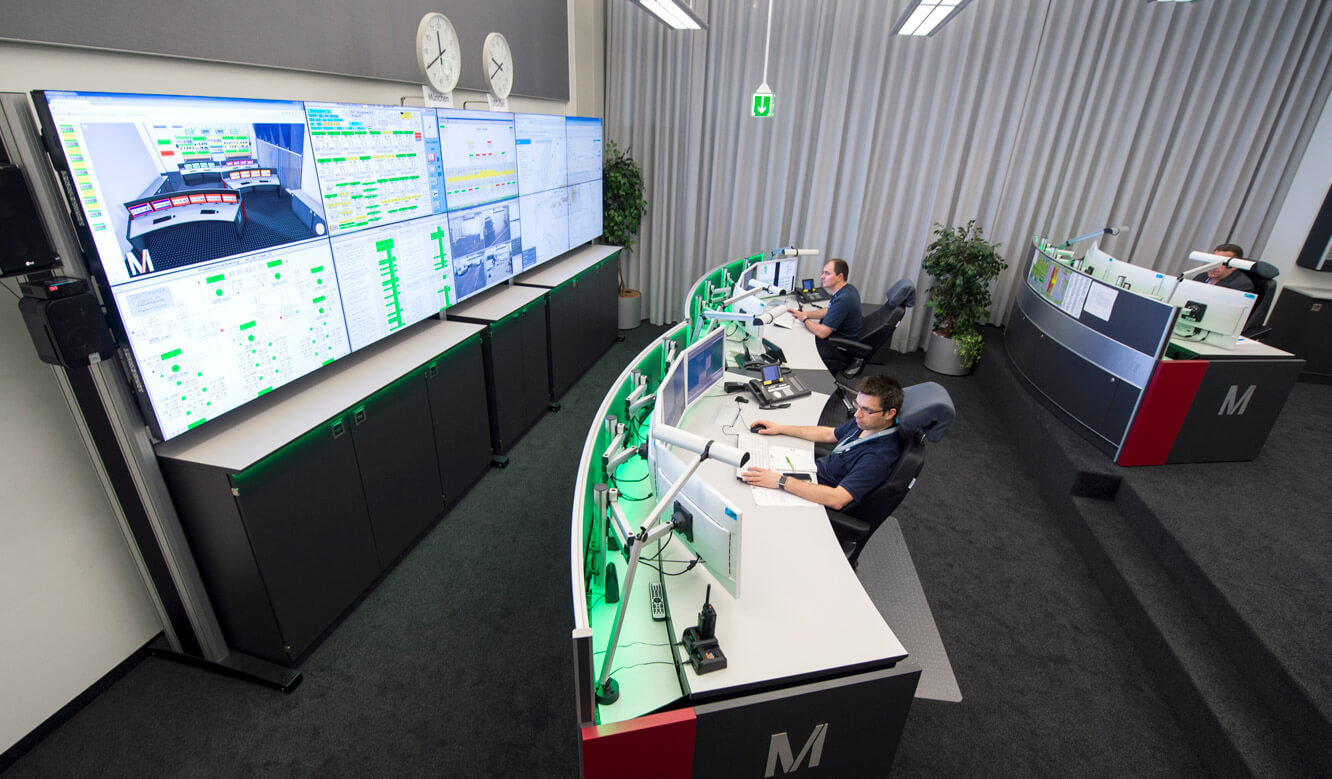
498,66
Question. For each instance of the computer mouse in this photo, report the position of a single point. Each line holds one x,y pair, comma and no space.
757,427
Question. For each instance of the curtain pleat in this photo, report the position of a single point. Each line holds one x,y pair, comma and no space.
1029,116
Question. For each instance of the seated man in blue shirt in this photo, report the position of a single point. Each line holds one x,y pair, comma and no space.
867,448
840,319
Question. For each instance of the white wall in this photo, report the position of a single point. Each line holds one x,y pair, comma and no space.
72,603
1307,191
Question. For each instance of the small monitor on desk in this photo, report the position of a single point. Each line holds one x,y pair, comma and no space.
1210,313
670,403
706,363
712,525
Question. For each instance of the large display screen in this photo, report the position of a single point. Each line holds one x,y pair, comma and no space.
246,243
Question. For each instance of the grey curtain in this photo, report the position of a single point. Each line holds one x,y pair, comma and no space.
1030,116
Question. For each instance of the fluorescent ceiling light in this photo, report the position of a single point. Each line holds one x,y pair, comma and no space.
923,17
674,13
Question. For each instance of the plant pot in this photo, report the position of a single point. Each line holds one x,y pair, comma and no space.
941,356
631,309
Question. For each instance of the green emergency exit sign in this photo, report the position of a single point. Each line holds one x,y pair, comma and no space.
761,108
762,105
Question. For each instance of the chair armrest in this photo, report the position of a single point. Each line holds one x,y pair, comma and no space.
854,348
847,526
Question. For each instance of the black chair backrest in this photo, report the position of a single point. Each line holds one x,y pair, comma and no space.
927,412
1263,275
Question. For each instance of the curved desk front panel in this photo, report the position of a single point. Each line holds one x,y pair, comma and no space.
1088,349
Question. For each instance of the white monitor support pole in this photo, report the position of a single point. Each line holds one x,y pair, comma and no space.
607,690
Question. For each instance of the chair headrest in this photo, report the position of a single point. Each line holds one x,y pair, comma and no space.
1264,270
927,408
903,293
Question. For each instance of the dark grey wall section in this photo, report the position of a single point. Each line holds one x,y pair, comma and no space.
371,38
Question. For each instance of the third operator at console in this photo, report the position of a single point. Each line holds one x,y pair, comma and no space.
867,448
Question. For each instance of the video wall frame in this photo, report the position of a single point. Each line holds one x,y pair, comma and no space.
241,244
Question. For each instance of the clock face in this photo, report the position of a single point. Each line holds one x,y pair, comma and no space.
437,52
499,65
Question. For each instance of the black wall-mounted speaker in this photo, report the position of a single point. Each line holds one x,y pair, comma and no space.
24,247
67,330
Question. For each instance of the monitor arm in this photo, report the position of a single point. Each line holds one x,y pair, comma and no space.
608,690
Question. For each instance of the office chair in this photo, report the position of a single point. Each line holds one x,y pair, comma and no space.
1263,275
878,328
926,414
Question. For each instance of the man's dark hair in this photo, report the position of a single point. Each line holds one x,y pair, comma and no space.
1233,248
885,389
841,268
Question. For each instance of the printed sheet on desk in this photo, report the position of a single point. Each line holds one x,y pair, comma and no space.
785,459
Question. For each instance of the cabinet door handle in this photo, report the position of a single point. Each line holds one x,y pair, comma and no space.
358,414
432,370
338,428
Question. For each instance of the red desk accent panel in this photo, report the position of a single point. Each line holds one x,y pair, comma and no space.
1161,413
657,746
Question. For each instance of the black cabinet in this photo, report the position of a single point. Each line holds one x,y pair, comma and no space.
1301,323
456,384
283,546
514,353
296,530
583,313
395,451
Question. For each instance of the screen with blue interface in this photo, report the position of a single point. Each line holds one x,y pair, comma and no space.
246,243
706,363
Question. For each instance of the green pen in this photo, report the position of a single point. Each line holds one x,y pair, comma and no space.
788,462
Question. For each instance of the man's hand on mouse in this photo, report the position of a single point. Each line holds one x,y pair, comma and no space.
764,427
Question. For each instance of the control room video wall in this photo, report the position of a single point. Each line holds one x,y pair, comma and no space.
246,243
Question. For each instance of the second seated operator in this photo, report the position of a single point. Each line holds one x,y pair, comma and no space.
867,448
840,319
1222,276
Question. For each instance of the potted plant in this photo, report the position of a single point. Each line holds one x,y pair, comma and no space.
962,264
622,212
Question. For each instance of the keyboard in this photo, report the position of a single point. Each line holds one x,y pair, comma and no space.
757,446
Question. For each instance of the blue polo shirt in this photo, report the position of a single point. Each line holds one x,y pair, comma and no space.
844,313
859,469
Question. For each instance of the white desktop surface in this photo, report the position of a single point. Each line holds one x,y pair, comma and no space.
497,302
1245,348
246,435
797,343
194,212
801,608
802,612
555,272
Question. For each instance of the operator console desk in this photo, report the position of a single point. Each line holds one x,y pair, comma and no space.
803,625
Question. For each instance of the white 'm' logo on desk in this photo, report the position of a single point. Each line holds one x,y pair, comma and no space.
1233,405
779,751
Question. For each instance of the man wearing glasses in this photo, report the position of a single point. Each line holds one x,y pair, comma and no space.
866,449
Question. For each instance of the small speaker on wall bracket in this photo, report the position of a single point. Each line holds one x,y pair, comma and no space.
24,247
65,322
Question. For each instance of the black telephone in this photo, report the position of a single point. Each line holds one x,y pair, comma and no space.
773,389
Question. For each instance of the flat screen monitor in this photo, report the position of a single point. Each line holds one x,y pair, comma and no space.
1124,275
1209,313
706,361
777,273
585,212
479,155
545,226
670,405
486,245
584,151
715,524
542,159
